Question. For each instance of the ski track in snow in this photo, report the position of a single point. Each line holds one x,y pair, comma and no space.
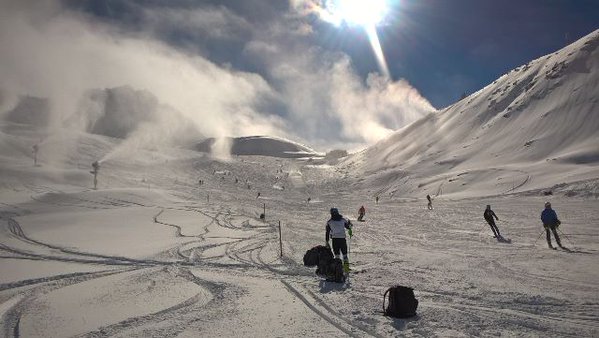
245,253
166,257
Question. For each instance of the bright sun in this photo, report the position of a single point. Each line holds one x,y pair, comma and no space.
365,13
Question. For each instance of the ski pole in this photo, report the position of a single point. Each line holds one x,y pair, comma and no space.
569,241
541,234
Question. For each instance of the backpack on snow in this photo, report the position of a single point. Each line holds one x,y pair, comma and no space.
402,303
334,271
317,254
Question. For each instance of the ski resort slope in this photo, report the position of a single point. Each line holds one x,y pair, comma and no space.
533,128
152,253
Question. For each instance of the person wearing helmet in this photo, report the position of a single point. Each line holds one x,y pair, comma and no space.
335,229
488,215
550,222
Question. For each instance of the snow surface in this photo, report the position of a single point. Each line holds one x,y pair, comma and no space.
152,253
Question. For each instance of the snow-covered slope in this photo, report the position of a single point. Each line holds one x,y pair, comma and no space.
259,145
154,253
534,127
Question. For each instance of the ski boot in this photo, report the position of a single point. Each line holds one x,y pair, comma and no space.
346,268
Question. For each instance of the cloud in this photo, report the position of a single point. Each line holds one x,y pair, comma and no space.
62,55
263,77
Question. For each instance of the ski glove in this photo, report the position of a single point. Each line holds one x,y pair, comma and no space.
349,231
328,245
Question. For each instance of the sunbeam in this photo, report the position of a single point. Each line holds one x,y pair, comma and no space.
378,50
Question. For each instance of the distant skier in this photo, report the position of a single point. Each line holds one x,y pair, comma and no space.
335,228
309,199
376,199
361,213
489,214
551,222
258,196
430,202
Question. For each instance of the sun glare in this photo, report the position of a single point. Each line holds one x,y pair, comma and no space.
365,13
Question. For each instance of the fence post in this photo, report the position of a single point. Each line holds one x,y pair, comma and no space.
280,239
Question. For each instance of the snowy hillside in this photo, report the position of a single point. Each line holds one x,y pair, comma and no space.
533,128
257,145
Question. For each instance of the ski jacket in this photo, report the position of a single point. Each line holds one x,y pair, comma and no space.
549,217
489,214
336,228
362,210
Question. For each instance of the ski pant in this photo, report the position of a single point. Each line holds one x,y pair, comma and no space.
339,244
554,230
494,228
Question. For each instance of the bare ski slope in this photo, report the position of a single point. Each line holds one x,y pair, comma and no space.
152,253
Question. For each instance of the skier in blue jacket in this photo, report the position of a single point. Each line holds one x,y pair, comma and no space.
336,230
550,222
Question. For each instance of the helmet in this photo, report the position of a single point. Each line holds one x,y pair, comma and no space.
547,205
488,206
334,211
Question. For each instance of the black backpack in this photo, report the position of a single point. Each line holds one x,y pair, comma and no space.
311,257
316,255
334,271
402,303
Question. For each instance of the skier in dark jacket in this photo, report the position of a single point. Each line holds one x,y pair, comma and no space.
430,202
361,213
335,228
551,222
489,214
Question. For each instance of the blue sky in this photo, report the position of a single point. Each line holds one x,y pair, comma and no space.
443,48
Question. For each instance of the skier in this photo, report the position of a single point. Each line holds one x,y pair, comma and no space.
376,200
551,222
489,214
257,196
430,202
336,230
361,213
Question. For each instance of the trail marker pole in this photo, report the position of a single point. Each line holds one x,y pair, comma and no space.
264,210
207,198
280,239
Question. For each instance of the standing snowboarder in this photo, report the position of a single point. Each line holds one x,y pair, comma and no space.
335,228
361,213
430,202
551,222
489,214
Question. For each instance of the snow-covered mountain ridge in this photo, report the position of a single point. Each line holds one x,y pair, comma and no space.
534,127
257,145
